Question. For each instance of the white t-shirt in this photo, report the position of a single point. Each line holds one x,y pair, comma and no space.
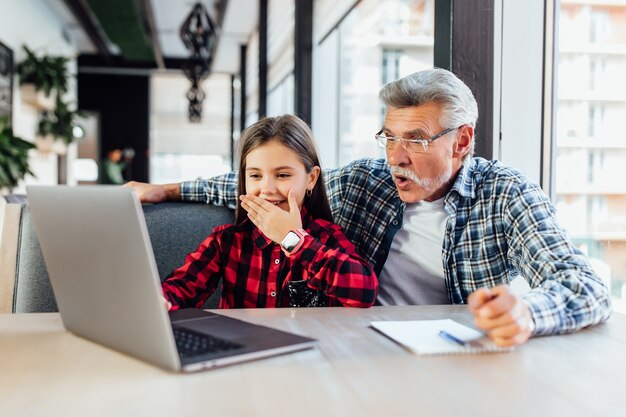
413,272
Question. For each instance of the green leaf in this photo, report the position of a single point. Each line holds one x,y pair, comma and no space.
46,73
14,164
5,181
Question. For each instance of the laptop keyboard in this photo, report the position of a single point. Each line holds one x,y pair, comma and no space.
192,343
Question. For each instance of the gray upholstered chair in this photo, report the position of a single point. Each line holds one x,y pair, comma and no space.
175,230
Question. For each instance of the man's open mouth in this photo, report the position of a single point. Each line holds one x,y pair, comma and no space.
401,179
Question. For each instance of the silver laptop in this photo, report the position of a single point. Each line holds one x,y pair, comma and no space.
99,257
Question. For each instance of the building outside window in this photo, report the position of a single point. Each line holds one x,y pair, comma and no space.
590,151
379,41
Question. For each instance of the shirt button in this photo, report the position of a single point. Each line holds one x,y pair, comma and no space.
395,222
382,252
276,261
273,294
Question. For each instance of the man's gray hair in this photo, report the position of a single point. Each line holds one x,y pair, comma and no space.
439,86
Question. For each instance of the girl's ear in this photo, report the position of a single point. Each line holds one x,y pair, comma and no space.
313,176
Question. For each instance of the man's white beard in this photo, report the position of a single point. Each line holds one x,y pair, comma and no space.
428,184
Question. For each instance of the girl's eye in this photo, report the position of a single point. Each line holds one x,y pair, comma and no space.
254,176
283,175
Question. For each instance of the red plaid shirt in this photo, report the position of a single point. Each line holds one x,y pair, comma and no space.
254,271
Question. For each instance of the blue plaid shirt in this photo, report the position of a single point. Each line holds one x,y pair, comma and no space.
499,225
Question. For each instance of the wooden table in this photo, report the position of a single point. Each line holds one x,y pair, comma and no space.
46,371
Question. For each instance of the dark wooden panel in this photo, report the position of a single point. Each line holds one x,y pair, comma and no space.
303,59
464,42
232,123
242,79
472,62
262,58
443,34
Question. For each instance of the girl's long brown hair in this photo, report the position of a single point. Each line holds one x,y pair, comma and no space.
291,132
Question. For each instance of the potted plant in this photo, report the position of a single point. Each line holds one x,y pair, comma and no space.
13,156
42,79
57,128
44,139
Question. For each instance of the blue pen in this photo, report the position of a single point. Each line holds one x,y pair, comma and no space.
451,338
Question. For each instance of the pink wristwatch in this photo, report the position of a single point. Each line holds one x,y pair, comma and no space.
293,241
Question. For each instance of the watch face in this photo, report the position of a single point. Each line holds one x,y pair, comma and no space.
290,241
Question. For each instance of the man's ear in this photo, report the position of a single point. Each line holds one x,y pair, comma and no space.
463,143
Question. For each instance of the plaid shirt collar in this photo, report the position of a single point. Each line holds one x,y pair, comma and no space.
465,185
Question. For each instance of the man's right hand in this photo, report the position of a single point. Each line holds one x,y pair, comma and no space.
155,193
504,316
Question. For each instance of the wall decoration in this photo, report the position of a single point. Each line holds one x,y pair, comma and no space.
198,33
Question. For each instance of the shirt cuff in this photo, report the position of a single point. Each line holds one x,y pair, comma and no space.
541,312
532,326
192,191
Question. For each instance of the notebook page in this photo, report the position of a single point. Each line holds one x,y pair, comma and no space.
422,337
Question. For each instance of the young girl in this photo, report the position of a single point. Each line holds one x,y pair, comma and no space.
284,249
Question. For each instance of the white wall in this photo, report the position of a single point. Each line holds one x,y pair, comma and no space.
35,24
518,78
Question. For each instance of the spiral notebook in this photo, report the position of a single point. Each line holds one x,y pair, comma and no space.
437,337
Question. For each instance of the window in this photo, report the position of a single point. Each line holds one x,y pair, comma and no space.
600,24
596,120
280,99
377,42
166,168
597,73
179,149
590,151
391,65
280,57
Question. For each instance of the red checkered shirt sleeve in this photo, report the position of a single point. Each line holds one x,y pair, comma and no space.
332,265
194,282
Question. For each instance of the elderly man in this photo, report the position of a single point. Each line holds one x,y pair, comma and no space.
441,226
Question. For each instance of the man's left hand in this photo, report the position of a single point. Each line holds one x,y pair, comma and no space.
504,316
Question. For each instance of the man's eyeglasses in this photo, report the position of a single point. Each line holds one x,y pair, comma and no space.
415,145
